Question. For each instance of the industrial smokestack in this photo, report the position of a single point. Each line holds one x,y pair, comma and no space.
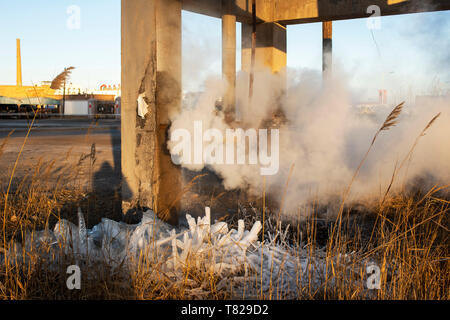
19,64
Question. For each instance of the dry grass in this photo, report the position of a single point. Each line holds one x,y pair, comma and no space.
409,241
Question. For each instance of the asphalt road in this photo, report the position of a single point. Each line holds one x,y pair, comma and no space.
64,141
59,144
58,125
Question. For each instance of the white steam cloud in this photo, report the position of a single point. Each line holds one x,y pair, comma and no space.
325,137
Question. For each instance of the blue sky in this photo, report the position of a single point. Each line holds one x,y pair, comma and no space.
414,49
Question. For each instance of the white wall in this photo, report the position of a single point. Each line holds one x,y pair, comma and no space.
76,108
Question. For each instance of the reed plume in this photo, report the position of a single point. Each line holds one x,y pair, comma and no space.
390,122
61,78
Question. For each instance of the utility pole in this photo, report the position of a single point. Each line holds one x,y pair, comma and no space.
64,95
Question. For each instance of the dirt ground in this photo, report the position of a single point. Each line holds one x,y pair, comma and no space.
65,142
92,149
80,154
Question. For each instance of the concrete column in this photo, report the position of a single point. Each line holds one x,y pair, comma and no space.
327,44
138,76
229,59
151,64
168,29
270,46
168,100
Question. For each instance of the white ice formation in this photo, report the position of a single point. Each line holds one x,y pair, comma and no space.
234,256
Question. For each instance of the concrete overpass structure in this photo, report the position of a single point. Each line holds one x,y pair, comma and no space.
151,64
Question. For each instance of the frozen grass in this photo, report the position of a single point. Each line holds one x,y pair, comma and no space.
409,243
408,239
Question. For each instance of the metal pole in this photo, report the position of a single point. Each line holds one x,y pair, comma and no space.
327,44
64,95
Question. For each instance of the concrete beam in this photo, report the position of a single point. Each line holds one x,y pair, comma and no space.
271,47
304,11
151,47
229,60
212,8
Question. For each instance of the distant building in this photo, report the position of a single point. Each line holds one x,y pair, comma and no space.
372,108
107,90
19,99
91,105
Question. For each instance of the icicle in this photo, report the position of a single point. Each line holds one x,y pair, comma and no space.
219,228
208,220
82,231
252,236
241,229
174,250
191,223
